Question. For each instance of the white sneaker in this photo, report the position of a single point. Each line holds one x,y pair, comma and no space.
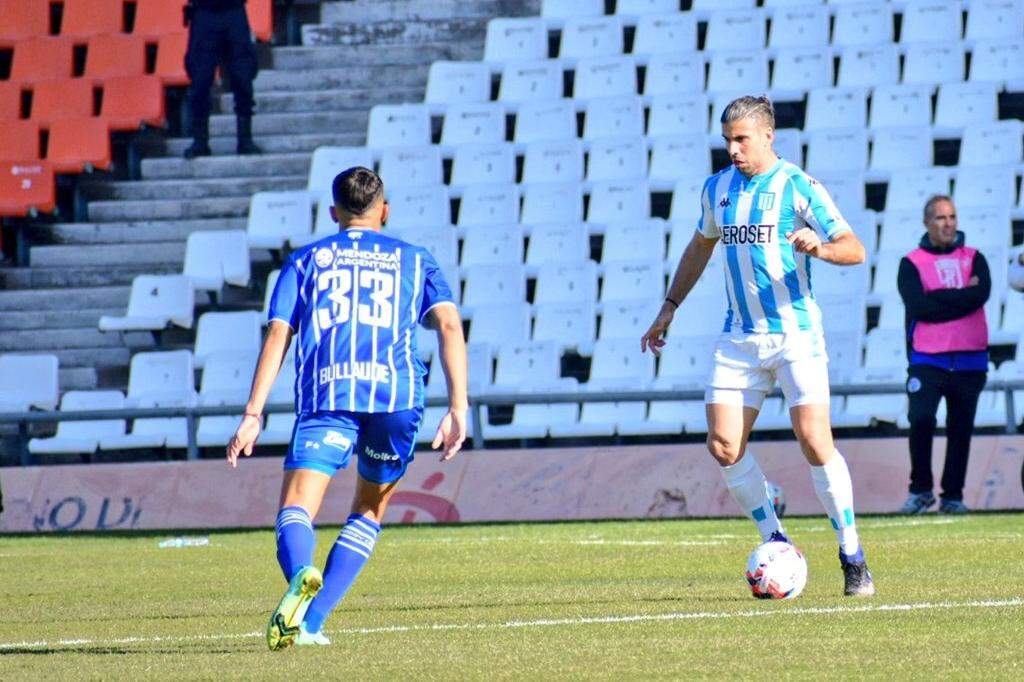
306,638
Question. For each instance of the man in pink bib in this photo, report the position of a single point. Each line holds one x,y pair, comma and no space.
944,286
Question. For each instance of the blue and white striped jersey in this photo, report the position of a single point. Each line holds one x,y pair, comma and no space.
768,284
353,300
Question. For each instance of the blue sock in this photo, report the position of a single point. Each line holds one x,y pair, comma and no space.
348,556
295,540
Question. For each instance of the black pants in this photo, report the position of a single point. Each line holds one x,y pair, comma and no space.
926,386
217,38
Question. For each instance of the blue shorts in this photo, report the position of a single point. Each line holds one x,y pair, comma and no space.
325,441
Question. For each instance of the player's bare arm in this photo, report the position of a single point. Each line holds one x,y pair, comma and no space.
451,432
843,249
275,345
695,258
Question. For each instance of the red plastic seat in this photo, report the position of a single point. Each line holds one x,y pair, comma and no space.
26,186
19,140
261,19
23,19
170,59
10,101
85,18
79,144
154,18
115,55
65,98
41,59
130,101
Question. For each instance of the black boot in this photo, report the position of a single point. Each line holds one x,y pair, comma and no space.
245,143
200,139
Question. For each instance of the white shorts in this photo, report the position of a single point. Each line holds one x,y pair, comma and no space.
746,366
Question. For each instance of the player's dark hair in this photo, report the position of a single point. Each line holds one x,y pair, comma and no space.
749,106
356,189
929,206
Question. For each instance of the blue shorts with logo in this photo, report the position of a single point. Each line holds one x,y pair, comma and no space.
383,442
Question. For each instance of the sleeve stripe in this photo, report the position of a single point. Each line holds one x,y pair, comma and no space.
281,319
427,311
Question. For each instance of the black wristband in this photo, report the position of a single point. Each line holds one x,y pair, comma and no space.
674,304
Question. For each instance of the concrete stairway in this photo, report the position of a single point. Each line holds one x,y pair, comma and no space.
364,52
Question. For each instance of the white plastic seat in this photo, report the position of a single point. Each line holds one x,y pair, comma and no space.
521,366
500,323
869,23
789,145
584,37
664,416
571,325
674,74
931,20
215,258
773,416
487,284
515,39
439,239
901,231
605,77
837,150
986,226
620,360
885,348
489,205
276,217
627,319
901,105
552,202
844,351
601,419
566,283
562,243
798,69
992,186
735,70
532,421
892,313
553,161
829,108
493,245
898,148
886,273
987,19
637,239
864,224
627,280
226,379
991,144
405,166
415,206
28,381
715,5
634,9
545,120
1013,316
238,332
677,115
487,164
803,24
961,105
478,123
729,28
398,125
82,437
849,280
618,201
531,82
665,33
845,187
457,83
1000,61
909,188
323,224
845,312
620,158
279,427
614,117
934,63
677,156
155,302
685,209
329,161
560,10
864,410
685,362
869,65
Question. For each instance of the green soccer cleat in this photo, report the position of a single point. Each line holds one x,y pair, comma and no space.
287,618
306,638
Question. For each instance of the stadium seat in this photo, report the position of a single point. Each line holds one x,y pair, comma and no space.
614,117
729,28
77,145
489,205
482,123
931,20
788,145
217,257
584,37
869,66
865,410
398,125
640,239
457,83
623,158
628,280
323,224
558,243
618,202
130,101
418,205
115,55
19,140
1013,317
676,74
411,166
668,33
566,283
985,186
844,352
157,379
26,187
493,245
684,114
684,363
933,63
573,326
624,319
850,280
885,348
999,61
556,10
276,217
486,164
599,419
439,240
899,148
329,161
170,59
227,332
620,360
501,323
677,156
65,98
86,18
10,101
155,18
516,39
553,161
23,20
545,120
800,69
226,380
631,10
736,70
991,144
28,381
986,226
532,421
685,208
961,105
908,189
261,19
846,189
892,313
552,202
82,437
155,302
487,284
843,313
714,5
531,81
901,105
994,19
901,230
836,108
870,23
837,150
886,273
804,24
605,77
522,366
40,59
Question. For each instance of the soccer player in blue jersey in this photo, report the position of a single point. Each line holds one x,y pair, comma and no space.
772,219
352,301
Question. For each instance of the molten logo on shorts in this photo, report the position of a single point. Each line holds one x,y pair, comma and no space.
380,456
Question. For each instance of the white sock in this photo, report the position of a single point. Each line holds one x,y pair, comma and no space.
746,482
835,490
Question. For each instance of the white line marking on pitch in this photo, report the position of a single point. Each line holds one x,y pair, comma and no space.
583,620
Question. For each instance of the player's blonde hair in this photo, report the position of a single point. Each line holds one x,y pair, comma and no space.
749,106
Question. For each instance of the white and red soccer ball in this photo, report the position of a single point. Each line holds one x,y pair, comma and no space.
776,570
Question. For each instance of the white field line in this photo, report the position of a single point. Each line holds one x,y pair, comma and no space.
552,622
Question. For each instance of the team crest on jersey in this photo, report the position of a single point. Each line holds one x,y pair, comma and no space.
324,257
765,201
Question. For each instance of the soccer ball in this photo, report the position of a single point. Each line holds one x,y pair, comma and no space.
777,497
776,570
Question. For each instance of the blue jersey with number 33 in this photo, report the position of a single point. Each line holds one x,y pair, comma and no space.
354,300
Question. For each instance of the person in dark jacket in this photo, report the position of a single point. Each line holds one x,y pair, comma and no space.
944,286
219,33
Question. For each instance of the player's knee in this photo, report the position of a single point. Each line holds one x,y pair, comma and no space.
920,419
726,451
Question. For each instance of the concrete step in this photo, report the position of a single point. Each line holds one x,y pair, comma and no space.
382,10
469,31
226,166
77,337
77,378
328,100
61,278
343,78
91,357
188,189
111,255
120,233
275,144
12,320
168,209
41,299
280,124
330,56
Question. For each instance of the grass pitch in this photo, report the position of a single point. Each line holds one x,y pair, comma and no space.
624,600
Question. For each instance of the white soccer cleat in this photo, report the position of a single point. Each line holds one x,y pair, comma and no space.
306,638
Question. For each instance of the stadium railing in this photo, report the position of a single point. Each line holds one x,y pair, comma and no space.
477,403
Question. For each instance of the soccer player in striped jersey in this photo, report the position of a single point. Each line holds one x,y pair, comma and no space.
352,301
772,219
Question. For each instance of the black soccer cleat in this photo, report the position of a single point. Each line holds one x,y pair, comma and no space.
857,577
